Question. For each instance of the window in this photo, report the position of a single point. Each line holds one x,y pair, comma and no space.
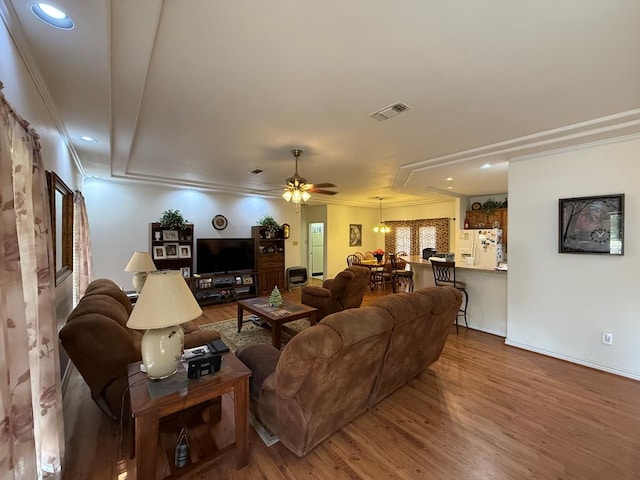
412,236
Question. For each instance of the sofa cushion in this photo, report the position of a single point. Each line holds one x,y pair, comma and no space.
421,323
326,373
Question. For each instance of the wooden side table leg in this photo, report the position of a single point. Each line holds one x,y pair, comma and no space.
239,318
241,400
276,335
146,446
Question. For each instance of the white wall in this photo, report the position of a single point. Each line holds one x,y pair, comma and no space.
559,304
120,213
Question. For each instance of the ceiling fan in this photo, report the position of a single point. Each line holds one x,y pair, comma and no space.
298,189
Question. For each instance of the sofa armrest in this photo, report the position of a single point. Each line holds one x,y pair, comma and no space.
328,283
316,291
261,359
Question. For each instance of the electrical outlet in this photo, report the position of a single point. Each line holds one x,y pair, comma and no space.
607,338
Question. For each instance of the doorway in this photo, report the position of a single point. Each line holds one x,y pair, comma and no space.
316,250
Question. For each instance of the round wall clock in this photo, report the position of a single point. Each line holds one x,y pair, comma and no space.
219,222
476,206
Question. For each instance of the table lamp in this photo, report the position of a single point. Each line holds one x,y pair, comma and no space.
141,264
164,303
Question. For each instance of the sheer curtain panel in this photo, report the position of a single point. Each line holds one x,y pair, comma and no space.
82,266
31,424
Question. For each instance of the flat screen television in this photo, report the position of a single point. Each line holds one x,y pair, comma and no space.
224,255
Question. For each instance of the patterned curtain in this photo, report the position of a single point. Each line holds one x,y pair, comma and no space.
82,266
411,236
31,424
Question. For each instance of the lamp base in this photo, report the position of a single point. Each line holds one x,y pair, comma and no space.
138,280
161,350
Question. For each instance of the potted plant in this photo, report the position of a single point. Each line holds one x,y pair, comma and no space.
172,219
270,225
491,206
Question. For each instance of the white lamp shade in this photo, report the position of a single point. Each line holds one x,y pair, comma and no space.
140,262
165,300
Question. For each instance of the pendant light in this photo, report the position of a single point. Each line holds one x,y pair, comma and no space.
381,227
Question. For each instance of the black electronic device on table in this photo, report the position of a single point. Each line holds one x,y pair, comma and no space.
218,346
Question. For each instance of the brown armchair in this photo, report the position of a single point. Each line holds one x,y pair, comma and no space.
340,293
100,345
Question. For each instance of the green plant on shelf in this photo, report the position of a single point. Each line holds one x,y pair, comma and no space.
491,206
270,225
172,219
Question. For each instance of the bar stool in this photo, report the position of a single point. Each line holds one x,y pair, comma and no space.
399,273
444,273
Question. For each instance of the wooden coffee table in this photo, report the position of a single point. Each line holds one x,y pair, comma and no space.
276,317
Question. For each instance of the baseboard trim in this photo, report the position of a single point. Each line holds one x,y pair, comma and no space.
568,358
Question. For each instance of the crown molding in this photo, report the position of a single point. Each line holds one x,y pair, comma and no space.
610,126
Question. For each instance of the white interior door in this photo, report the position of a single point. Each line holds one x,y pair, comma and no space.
316,249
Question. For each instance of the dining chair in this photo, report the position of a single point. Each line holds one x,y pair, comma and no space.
352,260
399,273
444,273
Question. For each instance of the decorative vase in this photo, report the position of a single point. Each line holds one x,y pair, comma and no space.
378,257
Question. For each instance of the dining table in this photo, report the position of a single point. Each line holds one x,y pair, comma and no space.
376,269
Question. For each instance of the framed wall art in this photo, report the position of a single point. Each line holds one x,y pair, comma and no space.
355,235
170,235
171,250
591,225
159,253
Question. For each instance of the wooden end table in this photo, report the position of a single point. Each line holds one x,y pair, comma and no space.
276,317
147,412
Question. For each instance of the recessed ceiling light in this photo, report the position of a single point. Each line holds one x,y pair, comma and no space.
85,138
449,188
449,179
486,165
52,16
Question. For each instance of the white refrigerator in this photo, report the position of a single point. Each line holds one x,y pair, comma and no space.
480,247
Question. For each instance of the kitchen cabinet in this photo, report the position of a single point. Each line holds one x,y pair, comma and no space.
480,219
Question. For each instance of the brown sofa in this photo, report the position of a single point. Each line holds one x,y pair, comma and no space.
340,293
101,346
330,373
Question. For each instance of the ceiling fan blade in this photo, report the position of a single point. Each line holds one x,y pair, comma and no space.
322,192
324,185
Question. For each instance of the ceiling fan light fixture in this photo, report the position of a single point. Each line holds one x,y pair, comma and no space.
296,189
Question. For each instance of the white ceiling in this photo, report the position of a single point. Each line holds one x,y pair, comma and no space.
200,92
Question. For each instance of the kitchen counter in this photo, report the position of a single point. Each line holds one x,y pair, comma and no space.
487,290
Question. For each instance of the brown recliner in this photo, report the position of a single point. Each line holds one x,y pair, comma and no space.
101,346
340,293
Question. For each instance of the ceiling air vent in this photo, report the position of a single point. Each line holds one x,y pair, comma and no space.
390,111
256,171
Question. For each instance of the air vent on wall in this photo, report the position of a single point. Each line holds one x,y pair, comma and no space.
390,111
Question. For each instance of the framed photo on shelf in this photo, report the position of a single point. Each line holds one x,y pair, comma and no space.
170,235
591,225
159,253
171,250
184,251
185,271
355,235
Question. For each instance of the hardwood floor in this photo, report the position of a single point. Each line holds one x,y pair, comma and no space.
484,410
